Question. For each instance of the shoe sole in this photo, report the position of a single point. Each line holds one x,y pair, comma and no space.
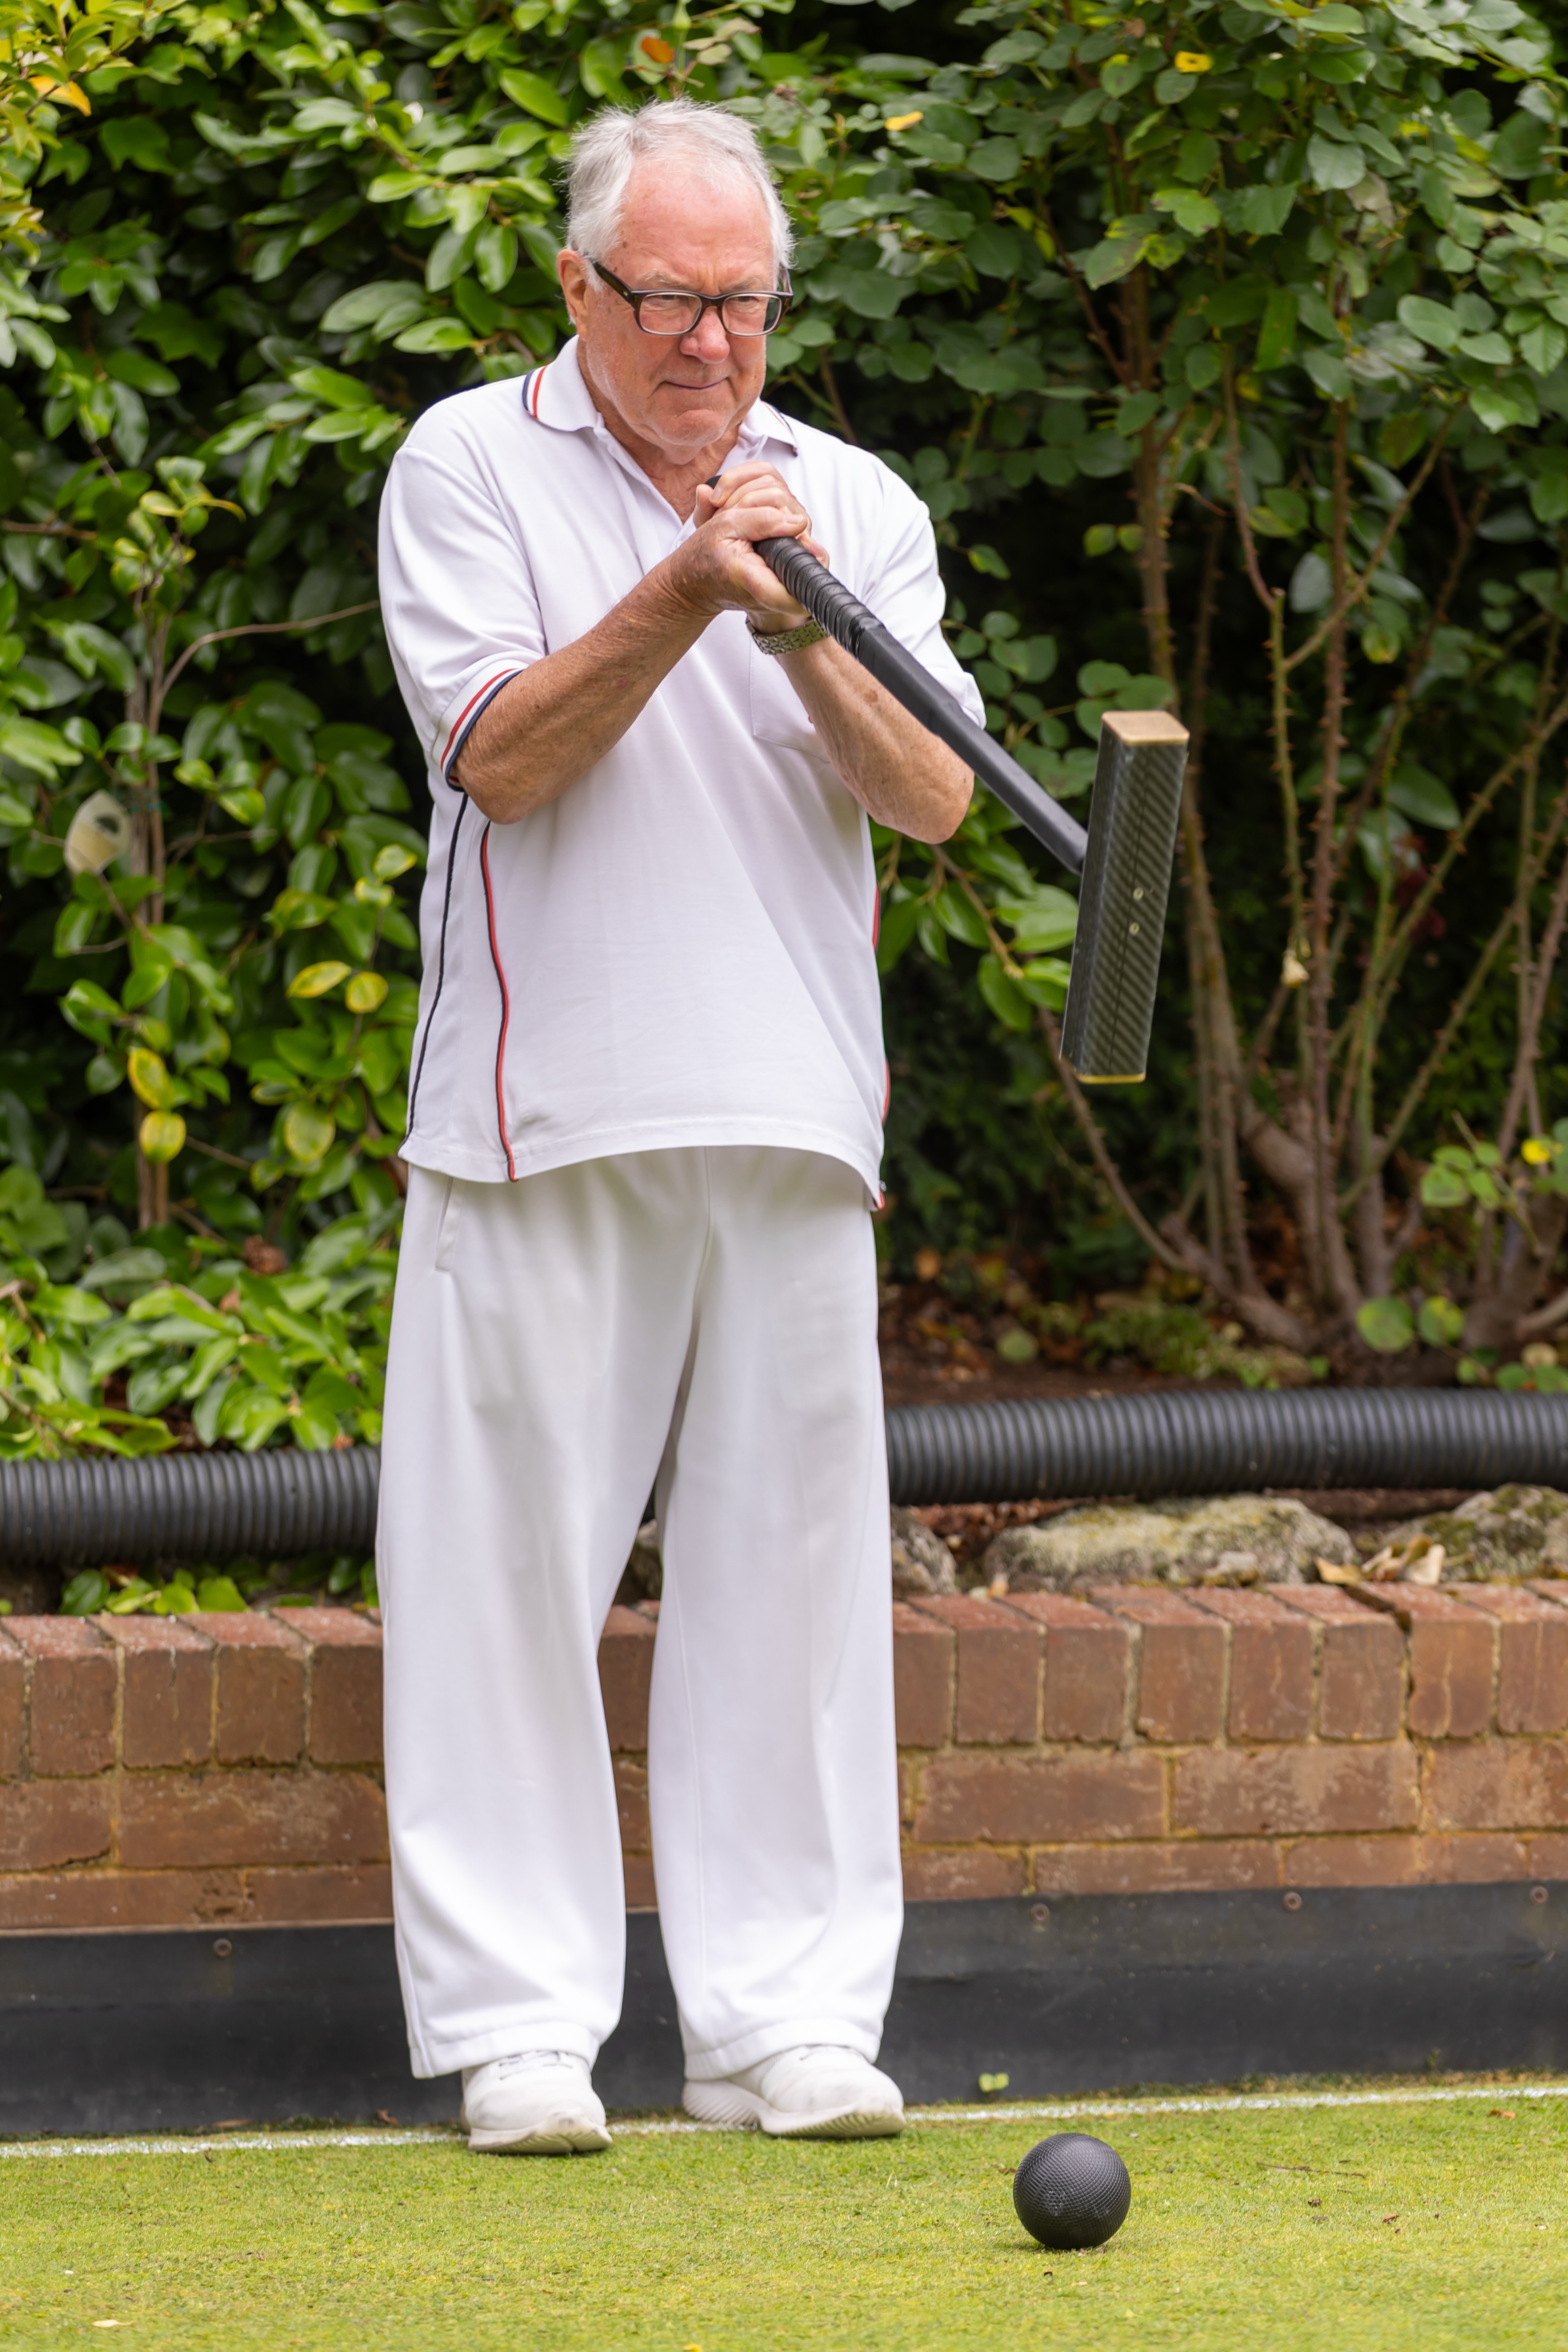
576,2139
739,2110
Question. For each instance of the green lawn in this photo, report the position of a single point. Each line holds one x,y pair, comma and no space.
1310,2228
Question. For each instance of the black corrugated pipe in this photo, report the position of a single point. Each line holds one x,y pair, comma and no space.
277,1504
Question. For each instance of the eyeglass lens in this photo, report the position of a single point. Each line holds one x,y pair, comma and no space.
677,314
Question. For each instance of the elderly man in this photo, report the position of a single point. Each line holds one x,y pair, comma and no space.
644,1136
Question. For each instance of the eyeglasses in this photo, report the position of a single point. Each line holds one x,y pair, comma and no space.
660,313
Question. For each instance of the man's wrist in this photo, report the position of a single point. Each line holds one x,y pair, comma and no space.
791,638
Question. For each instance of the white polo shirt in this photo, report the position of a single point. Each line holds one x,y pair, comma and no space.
680,949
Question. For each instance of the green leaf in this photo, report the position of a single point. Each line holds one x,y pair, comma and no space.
1277,335
959,917
534,94
1263,211
1443,1188
898,927
1005,998
1434,322
1423,796
1385,1323
1112,259
1334,163
219,1594
1440,1323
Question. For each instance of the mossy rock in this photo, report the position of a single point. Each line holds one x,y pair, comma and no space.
921,1561
1185,1539
1498,1538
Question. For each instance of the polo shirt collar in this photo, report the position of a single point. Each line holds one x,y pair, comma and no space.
557,396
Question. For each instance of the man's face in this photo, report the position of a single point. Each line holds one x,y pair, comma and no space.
681,392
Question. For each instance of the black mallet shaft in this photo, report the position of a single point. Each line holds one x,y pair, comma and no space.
1125,858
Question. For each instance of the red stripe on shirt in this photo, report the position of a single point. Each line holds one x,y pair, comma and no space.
505,1001
489,687
534,392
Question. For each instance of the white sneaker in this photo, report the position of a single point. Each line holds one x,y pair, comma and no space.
541,2103
819,2092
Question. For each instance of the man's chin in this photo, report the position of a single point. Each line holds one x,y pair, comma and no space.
694,417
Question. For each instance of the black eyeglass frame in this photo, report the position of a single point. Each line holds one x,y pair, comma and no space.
637,296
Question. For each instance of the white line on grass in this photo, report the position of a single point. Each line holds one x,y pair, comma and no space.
434,2136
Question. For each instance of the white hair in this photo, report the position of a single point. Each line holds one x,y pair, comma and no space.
716,147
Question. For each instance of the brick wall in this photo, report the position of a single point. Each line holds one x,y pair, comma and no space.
193,1771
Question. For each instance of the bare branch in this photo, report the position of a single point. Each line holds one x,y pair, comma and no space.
259,629
1361,583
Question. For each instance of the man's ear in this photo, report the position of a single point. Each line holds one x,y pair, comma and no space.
573,275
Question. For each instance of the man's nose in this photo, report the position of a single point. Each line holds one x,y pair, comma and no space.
708,341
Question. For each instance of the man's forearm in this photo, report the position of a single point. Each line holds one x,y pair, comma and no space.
558,718
899,774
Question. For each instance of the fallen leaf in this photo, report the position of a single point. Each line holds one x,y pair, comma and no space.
1423,1561
1330,1572
383,2117
1314,2200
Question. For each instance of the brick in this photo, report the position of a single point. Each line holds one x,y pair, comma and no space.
923,1655
1270,1666
1451,1660
260,1669
196,1820
1352,1861
625,1677
1181,1669
343,1894
1404,1861
1480,1861
166,1691
968,1873
998,1699
1361,1675
71,1706
345,1685
1233,1792
1550,1588
1194,1864
44,1826
73,1899
1088,1659
13,1684
1532,1664
631,1805
1506,1784
1549,1857
1041,1800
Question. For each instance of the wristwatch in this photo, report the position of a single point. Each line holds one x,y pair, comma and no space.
785,641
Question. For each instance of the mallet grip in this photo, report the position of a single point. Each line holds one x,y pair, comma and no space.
910,683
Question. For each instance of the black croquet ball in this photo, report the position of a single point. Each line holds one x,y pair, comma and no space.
1071,2191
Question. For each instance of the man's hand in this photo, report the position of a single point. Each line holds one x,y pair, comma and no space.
715,570
549,726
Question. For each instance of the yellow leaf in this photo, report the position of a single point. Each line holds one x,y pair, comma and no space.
1536,1151
364,991
308,1133
317,979
904,121
149,1076
1330,1572
68,90
162,1134
658,52
1193,61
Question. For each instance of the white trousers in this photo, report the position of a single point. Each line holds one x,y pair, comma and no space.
707,1318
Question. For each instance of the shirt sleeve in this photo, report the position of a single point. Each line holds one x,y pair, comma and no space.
458,599
906,591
